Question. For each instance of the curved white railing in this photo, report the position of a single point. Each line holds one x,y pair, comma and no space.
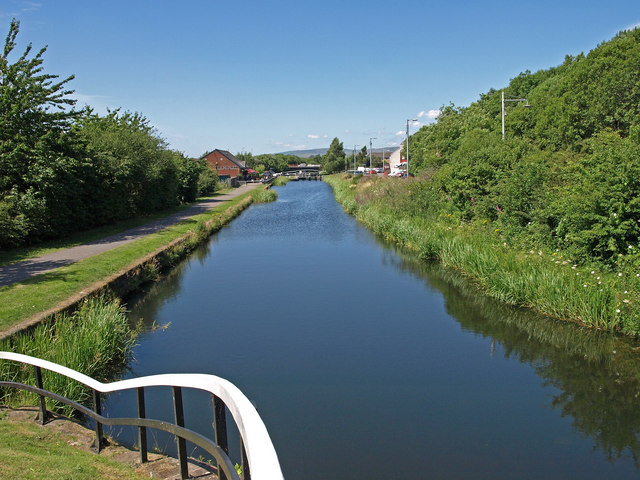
261,455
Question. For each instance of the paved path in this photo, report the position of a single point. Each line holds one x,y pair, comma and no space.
19,271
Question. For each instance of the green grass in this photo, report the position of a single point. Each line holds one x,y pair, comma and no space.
30,452
38,294
280,181
543,281
25,253
264,195
96,340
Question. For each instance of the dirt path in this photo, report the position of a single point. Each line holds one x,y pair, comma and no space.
19,271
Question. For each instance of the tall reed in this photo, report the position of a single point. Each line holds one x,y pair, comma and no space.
97,340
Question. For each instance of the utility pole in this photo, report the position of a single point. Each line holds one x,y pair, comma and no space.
371,153
354,158
413,120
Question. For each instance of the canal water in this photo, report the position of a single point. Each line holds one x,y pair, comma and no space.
365,364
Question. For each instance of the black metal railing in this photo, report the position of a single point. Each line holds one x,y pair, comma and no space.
218,447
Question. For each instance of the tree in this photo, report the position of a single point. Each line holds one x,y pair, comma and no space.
40,164
334,160
33,112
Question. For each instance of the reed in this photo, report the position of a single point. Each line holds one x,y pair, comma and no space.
96,340
280,181
264,195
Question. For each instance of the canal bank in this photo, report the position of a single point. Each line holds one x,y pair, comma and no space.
546,282
354,352
117,265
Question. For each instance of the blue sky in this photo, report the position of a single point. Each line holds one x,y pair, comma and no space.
273,76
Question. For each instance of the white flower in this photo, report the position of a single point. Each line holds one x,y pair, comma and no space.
620,274
618,310
585,285
592,272
615,214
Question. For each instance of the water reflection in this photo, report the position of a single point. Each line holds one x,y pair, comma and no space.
596,374
354,353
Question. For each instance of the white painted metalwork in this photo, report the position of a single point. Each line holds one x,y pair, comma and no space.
261,455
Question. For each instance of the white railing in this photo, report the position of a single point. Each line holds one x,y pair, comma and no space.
261,456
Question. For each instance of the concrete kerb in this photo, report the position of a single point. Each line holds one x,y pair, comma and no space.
121,283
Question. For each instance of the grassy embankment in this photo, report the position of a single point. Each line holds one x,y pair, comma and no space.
26,299
25,253
29,452
96,340
543,281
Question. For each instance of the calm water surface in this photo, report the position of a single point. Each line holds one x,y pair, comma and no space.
366,365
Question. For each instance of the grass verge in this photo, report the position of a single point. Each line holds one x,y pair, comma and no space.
24,300
29,452
96,340
540,280
80,238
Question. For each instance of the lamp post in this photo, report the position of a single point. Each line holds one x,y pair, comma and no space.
412,120
354,158
510,100
371,153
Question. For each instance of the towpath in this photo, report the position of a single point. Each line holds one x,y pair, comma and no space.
19,271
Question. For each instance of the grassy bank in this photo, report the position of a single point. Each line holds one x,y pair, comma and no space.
30,452
24,300
96,340
280,180
545,281
81,238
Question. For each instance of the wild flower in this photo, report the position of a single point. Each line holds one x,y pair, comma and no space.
498,208
620,274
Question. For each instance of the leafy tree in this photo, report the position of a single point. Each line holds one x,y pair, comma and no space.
40,165
334,159
33,112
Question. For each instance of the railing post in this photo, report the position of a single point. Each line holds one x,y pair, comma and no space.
43,402
142,431
220,430
182,443
246,472
97,407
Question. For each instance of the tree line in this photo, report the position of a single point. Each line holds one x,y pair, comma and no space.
64,170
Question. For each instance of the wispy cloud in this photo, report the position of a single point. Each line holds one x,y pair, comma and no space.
431,114
400,132
19,7
315,137
635,25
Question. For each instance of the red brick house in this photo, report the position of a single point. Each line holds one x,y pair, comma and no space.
225,164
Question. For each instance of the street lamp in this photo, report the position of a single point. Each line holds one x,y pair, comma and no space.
354,158
371,153
412,120
510,100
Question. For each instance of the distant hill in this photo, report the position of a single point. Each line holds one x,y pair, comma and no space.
322,151
306,153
